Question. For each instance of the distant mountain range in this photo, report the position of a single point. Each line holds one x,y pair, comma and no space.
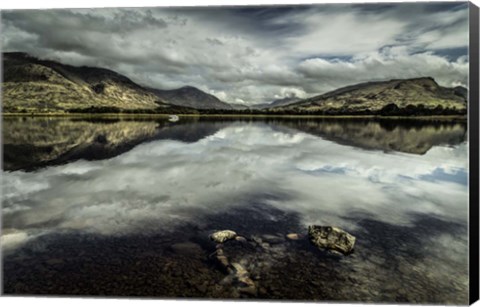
276,103
34,85
192,97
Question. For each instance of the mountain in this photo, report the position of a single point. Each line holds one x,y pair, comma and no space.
35,85
461,91
284,101
192,97
419,96
276,103
260,106
31,84
239,106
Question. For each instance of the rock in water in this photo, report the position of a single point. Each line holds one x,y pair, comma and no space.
293,236
240,239
223,235
223,261
273,239
246,284
331,238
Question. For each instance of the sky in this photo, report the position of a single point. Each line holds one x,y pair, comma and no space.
253,54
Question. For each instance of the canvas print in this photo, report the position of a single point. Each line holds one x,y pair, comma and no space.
303,152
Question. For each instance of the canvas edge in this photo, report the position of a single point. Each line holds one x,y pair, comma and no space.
1,155
473,131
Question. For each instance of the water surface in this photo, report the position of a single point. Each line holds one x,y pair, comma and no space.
125,207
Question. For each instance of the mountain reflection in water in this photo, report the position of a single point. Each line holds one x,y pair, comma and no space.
125,207
30,143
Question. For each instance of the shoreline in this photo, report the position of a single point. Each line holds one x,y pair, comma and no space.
299,116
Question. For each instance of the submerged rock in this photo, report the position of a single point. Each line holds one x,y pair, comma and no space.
240,239
272,239
246,284
331,238
223,235
293,236
240,271
223,260
257,239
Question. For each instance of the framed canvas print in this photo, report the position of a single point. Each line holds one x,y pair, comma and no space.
320,152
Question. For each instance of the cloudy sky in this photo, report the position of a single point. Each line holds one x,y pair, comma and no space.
253,54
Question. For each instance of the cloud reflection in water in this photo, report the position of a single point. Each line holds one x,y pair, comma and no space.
160,184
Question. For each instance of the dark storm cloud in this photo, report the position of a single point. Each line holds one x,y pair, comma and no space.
119,21
452,53
253,54
77,31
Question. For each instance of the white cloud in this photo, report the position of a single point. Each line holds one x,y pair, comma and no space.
251,57
388,63
345,32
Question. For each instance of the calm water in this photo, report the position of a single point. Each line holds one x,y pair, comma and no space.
124,207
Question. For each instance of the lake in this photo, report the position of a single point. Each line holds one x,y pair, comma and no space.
125,207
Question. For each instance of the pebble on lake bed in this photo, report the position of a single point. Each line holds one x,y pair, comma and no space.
240,239
293,236
223,235
223,260
246,284
273,239
331,238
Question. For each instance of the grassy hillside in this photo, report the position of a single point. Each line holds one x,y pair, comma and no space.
34,85
394,97
41,86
